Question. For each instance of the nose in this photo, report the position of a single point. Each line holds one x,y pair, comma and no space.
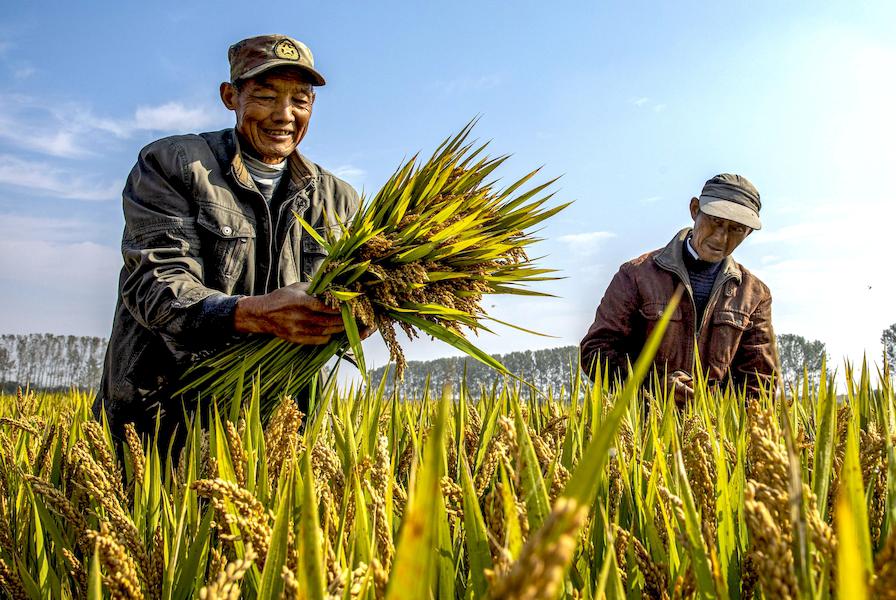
720,235
283,112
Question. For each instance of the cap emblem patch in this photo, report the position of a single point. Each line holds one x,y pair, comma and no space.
287,50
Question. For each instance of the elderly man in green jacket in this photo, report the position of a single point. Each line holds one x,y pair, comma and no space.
212,248
725,314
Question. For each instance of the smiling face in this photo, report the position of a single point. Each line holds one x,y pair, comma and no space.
272,111
714,238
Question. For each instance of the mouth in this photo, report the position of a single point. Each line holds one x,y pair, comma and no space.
278,134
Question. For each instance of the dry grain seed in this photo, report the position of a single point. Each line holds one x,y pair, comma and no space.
291,589
120,569
156,565
77,571
771,548
41,459
655,581
884,585
57,502
538,572
281,437
237,453
18,424
97,440
558,482
227,584
620,547
700,468
251,518
9,581
383,534
135,450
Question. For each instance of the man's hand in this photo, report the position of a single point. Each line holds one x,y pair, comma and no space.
679,383
288,313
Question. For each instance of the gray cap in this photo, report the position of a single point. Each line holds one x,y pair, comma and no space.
732,197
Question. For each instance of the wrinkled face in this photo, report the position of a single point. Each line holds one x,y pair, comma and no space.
714,238
272,111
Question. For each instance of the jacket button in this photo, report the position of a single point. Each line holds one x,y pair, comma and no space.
227,230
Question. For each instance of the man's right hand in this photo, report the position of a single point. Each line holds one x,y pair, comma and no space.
680,383
288,313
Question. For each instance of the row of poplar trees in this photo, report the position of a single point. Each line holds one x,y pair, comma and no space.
47,361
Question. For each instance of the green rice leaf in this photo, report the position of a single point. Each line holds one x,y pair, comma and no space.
475,533
446,335
414,568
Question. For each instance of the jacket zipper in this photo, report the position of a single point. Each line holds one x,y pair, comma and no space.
713,298
270,223
290,221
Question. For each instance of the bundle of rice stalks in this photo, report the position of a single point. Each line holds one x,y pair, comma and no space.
420,254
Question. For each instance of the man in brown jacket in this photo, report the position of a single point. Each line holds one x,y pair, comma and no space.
724,315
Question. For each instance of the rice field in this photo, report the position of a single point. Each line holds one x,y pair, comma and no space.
509,492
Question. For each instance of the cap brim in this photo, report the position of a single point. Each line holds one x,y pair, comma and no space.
725,209
316,78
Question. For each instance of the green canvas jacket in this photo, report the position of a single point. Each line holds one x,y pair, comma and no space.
735,340
198,236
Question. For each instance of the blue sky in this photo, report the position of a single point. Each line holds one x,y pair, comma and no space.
634,105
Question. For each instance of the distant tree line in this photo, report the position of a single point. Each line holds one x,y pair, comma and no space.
551,368
47,361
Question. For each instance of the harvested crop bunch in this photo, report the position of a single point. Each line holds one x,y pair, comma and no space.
419,254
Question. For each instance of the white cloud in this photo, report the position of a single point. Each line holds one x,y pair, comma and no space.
60,265
352,174
47,229
651,200
647,103
174,116
23,71
61,183
37,138
67,130
585,242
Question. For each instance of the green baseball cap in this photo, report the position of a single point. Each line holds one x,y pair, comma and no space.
732,197
258,54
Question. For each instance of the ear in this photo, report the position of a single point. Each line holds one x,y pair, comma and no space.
229,95
695,208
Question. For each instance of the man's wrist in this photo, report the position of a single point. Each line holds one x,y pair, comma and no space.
245,315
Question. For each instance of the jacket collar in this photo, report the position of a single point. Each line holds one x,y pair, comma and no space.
671,258
301,170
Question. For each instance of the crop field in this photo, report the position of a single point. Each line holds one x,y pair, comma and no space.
508,492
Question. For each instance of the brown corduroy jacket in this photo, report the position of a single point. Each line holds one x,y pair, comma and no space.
735,341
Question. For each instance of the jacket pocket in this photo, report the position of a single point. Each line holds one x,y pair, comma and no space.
653,311
231,238
728,326
313,253
671,352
